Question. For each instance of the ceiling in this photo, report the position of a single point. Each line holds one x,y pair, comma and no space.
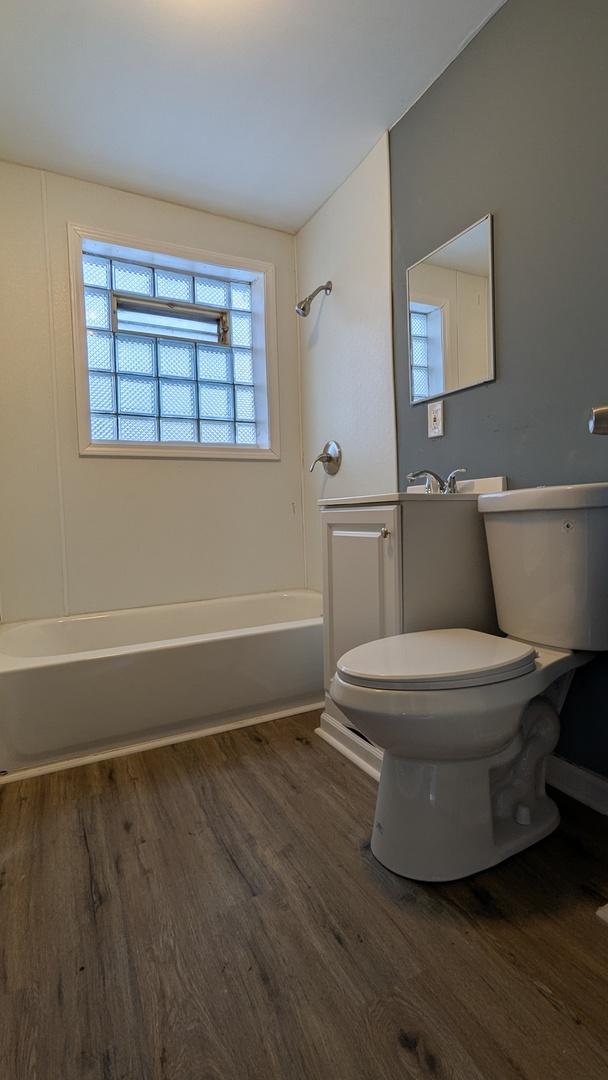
257,109
470,251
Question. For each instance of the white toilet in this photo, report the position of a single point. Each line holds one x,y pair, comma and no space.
466,719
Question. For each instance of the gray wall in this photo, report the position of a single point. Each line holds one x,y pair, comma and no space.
517,126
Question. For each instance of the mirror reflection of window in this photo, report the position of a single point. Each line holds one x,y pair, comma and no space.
427,350
450,316
419,337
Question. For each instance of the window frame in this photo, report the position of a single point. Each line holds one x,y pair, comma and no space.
262,277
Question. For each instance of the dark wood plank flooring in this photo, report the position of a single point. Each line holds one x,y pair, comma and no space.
212,911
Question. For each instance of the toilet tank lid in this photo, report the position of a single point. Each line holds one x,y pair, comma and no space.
436,660
559,497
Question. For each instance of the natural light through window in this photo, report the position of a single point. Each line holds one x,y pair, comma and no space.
419,338
171,355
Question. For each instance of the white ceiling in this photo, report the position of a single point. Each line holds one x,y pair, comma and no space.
470,251
257,109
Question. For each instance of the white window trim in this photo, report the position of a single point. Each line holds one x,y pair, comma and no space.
262,275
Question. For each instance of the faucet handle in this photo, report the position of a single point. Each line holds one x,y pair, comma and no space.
323,458
330,458
450,484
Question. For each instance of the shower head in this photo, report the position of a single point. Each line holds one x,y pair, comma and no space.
303,308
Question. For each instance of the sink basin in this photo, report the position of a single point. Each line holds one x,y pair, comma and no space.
480,486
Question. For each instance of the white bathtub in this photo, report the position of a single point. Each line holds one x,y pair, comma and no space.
87,685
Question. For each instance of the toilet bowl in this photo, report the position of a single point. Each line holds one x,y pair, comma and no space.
462,783
466,720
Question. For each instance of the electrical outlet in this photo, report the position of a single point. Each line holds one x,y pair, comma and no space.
435,419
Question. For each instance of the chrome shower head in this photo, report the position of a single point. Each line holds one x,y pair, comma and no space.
303,308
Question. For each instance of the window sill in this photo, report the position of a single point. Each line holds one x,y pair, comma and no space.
179,450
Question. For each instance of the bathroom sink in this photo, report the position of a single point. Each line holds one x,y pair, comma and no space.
481,486
468,488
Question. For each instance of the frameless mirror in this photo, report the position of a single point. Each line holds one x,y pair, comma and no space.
450,315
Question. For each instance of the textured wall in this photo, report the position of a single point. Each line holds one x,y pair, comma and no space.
345,344
84,534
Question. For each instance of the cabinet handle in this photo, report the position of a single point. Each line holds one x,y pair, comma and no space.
385,533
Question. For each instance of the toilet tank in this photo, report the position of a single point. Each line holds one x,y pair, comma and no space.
548,551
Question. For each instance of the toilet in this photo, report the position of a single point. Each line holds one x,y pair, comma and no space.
466,719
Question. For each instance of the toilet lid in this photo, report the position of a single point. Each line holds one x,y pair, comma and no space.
436,660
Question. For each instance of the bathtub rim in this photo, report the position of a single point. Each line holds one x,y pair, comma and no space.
10,662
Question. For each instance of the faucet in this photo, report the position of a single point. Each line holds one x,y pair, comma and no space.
435,484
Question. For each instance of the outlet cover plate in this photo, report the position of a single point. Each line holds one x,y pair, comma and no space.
435,419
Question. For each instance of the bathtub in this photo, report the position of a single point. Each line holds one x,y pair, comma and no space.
88,686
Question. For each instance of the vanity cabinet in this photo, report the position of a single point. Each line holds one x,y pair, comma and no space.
361,578
401,563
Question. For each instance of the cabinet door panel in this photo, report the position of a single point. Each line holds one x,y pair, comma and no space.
361,579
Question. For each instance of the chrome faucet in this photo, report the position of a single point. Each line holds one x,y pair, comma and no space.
435,484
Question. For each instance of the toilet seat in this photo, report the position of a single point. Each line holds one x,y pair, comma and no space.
436,660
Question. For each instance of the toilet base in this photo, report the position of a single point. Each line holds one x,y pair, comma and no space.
440,821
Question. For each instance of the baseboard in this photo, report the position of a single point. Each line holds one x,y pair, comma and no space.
153,744
581,784
351,745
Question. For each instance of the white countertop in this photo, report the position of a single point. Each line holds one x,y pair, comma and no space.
392,498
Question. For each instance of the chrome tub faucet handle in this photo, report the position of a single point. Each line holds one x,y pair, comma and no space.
330,458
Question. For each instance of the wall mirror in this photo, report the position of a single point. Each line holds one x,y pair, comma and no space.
450,315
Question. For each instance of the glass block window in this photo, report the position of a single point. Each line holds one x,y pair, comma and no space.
419,359
169,353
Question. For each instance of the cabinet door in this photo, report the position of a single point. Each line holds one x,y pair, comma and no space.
361,578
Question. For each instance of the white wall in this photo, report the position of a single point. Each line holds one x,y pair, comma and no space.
84,534
346,344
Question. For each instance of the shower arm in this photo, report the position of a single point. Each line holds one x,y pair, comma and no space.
326,288
303,308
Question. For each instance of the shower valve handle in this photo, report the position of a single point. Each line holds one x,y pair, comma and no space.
330,458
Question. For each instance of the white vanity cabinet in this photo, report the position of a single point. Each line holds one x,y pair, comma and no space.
361,578
398,563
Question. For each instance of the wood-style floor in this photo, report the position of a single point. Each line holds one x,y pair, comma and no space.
212,911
